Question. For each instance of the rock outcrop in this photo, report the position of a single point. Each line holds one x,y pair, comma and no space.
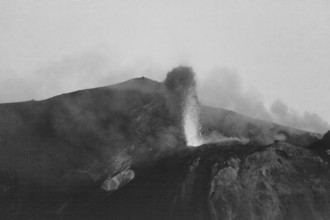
113,183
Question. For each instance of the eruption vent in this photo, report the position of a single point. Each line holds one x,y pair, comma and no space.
191,123
181,85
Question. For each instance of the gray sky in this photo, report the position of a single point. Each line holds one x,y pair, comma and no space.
278,49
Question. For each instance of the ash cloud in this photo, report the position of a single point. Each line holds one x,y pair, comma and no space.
180,81
224,88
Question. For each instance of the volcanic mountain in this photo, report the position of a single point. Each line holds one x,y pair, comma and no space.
119,152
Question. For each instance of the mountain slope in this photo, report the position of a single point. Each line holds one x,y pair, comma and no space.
259,132
55,155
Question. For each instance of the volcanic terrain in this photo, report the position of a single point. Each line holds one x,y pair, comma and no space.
120,152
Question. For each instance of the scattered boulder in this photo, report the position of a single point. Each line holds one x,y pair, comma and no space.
115,182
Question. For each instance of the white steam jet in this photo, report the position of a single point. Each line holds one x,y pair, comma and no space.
191,123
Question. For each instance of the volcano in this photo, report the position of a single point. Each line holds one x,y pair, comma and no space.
120,152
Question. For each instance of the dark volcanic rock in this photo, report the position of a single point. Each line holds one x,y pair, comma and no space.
279,181
322,147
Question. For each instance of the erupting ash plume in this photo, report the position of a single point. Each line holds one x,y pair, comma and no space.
182,86
191,120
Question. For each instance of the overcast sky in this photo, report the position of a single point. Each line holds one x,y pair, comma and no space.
280,49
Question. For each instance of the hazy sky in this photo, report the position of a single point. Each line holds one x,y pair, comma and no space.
279,48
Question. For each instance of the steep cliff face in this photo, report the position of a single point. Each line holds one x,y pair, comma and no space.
119,152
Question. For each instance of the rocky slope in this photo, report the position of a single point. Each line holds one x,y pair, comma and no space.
118,152
278,181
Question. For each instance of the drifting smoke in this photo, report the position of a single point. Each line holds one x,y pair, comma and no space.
224,88
282,114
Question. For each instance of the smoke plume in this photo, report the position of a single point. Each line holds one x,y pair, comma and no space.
308,121
223,88
180,81
182,86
